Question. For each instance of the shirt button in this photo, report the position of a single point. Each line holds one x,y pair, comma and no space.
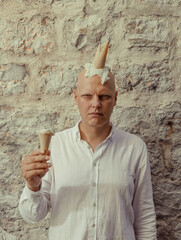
88,147
94,164
93,225
94,204
94,184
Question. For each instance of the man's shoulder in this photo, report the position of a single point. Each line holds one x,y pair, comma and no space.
65,132
63,137
128,138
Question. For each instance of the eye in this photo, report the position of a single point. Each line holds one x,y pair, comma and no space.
86,95
104,97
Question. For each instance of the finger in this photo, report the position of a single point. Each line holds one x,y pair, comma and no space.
36,166
45,152
33,173
39,158
37,151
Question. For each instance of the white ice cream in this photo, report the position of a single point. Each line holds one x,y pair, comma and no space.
102,73
44,131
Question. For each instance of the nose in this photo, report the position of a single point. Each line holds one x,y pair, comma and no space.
96,102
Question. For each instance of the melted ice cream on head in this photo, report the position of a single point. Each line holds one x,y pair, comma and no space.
102,73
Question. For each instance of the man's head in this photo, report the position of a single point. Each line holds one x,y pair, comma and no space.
95,101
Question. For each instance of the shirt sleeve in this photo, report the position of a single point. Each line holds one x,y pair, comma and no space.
143,205
34,206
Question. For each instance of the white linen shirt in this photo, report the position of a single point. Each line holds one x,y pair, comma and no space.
100,195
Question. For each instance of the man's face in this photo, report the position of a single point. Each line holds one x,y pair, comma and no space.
95,101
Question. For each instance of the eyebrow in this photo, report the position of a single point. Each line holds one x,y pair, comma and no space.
105,93
101,91
99,94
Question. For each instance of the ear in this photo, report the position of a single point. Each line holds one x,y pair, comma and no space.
75,96
115,98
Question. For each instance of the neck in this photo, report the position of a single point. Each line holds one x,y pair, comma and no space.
94,136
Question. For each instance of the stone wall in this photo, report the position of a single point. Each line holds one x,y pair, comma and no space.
43,46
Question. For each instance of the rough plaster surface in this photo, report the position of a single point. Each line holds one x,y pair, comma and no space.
43,46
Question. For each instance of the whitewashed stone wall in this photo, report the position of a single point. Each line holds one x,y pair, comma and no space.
43,46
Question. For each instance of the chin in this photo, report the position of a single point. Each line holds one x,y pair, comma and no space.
96,123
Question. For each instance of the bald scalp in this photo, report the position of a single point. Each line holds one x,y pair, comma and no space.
82,79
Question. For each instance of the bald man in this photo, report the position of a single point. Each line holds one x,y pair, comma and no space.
97,183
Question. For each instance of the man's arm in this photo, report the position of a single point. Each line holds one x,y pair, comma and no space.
34,206
34,202
143,206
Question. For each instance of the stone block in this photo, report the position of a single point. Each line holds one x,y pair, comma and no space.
12,79
177,230
27,35
170,117
154,76
57,80
6,236
170,206
127,118
147,33
111,7
168,120
176,32
83,32
5,170
38,2
20,124
168,124
32,2
162,2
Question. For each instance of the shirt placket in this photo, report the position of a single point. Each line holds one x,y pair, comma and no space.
94,188
93,195
94,178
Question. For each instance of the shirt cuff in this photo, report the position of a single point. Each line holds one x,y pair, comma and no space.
32,194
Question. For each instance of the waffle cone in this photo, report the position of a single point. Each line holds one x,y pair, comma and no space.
44,139
100,57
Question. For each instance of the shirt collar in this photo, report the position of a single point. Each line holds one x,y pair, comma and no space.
112,133
76,132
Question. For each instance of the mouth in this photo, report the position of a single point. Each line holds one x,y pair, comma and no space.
96,114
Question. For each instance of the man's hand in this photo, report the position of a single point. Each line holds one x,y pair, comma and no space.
34,167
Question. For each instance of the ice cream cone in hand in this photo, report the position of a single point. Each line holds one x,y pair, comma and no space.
44,139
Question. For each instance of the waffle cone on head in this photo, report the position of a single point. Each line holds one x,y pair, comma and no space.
100,57
44,139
